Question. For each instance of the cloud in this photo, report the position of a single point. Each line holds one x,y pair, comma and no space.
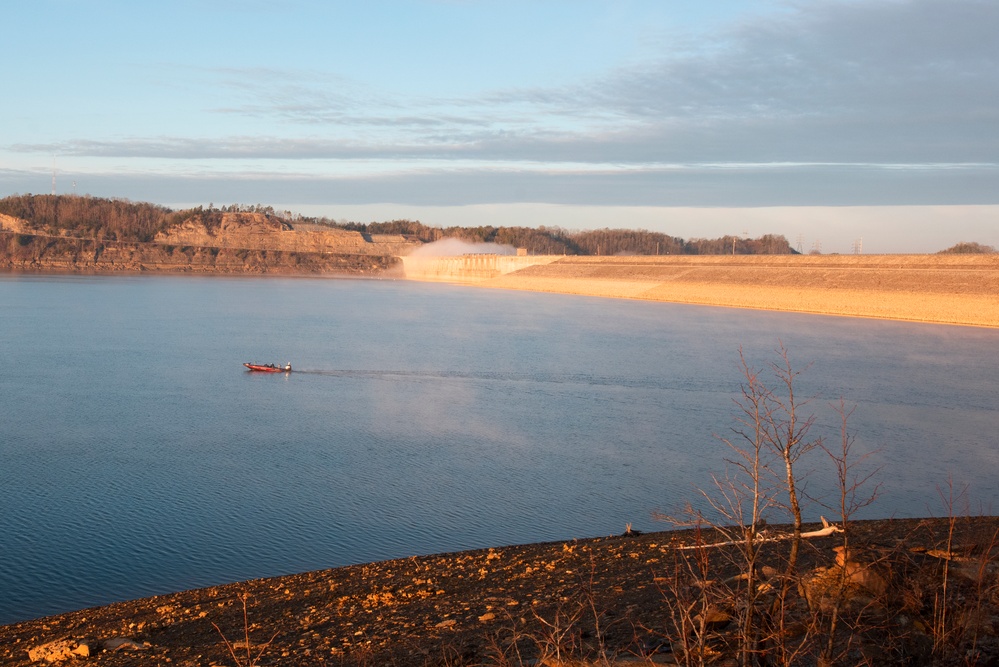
826,81
826,102
188,148
707,185
822,81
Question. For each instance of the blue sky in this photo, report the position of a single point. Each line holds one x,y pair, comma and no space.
828,121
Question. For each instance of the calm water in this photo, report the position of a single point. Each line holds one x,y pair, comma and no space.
138,457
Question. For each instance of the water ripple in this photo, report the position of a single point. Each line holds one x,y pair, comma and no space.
140,458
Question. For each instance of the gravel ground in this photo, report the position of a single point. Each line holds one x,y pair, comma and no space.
611,598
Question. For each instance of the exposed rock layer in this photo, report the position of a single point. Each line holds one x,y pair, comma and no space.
234,243
26,252
267,232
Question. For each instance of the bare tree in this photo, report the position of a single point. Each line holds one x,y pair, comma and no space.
786,432
854,492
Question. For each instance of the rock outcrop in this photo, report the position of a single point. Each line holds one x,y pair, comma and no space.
28,252
259,231
240,243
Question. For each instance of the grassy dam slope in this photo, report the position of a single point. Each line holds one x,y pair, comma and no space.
946,289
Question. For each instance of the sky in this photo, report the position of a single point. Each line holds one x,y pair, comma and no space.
845,125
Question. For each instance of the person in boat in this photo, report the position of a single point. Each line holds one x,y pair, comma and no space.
287,367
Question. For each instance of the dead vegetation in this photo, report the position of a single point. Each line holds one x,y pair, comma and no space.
655,598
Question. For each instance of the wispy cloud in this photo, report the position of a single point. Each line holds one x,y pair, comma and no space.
836,81
827,81
831,101
728,185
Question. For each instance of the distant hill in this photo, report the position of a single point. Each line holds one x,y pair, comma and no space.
604,242
63,233
89,217
122,220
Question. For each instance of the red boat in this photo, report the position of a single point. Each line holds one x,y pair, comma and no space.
269,368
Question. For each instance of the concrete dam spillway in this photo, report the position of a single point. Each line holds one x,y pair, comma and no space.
469,267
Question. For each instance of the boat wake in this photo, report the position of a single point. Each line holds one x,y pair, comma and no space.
484,376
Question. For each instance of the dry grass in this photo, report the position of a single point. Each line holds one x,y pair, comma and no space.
946,289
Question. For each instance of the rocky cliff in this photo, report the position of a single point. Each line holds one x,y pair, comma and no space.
260,231
230,243
28,252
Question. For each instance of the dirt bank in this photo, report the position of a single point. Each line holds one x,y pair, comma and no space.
947,289
615,596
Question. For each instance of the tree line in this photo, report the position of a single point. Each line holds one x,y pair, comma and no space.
124,220
91,217
558,241
968,248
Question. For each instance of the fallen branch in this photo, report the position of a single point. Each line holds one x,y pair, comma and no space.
763,536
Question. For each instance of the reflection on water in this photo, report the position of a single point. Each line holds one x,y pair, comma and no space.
140,457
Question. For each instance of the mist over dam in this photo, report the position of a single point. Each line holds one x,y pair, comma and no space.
472,267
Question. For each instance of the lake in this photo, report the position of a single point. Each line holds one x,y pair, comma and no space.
139,456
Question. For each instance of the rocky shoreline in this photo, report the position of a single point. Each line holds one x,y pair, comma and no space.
608,601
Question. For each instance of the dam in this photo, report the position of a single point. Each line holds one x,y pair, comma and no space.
943,289
469,268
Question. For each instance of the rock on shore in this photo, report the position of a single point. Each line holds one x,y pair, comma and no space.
615,599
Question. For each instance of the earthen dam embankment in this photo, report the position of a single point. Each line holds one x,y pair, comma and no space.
946,289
